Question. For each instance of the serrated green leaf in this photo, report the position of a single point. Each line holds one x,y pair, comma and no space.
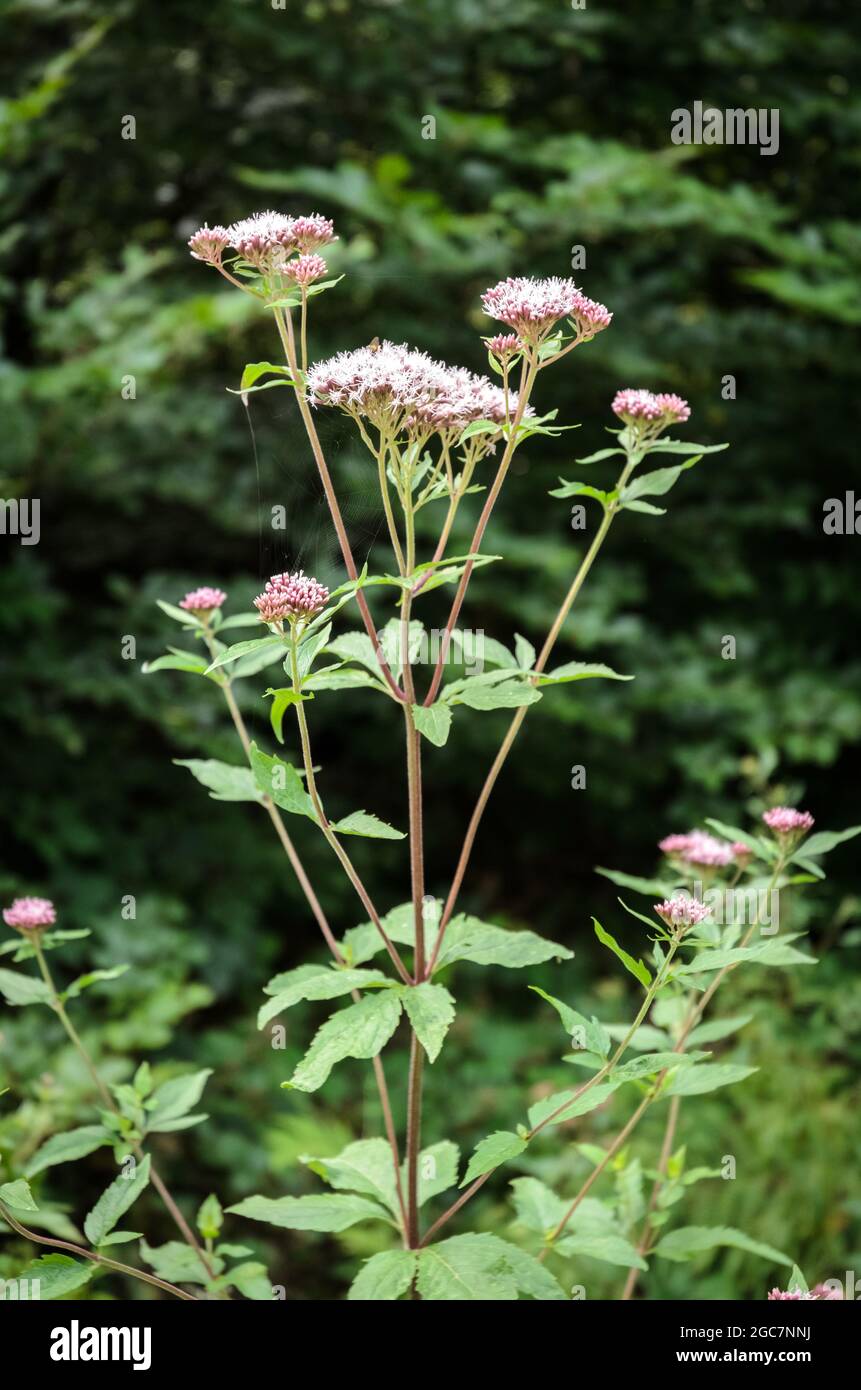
224,781
580,671
497,1148
56,1276
272,647
581,1105
316,982
470,939
115,1201
20,990
321,1212
384,1277
433,721
65,1148
361,1031
595,1037
173,1099
481,1268
688,1241
17,1194
281,782
706,1076
178,1263
431,1012
366,824
636,967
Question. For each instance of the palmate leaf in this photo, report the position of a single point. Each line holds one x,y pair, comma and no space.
360,1031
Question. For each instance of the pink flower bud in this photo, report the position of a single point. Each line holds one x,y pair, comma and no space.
682,912
29,914
304,270
201,602
291,596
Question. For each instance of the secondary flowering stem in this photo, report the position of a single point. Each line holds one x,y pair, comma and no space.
331,838
285,330
108,1100
94,1258
520,713
321,919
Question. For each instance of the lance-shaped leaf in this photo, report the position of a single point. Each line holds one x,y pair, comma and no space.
431,1012
569,1106
490,690
826,840
497,1148
282,782
384,1277
589,1033
580,671
657,483
771,952
575,489
259,647
173,1099
704,1077
65,1148
650,887
688,1241
360,1031
176,661
468,938
682,446
315,982
325,1211
365,824
115,1201
224,781
636,967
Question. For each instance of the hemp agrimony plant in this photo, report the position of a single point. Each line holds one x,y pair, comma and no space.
441,440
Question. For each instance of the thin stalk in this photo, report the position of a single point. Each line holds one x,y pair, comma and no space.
94,1258
108,1100
285,330
328,935
478,534
520,713
663,1162
387,505
331,838
414,1123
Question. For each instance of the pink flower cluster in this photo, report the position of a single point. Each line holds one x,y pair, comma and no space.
820,1293
28,914
398,388
291,596
643,408
265,240
203,600
304,270
503,346
785,820
682,912
532,307
698,848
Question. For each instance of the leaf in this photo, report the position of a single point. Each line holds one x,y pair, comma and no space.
431,1013
524,652
537,1207
468,938
481,1268
589,1100
179,615
434,721
771,952
600,455
56,1276
115,1202
732,832
23,989
224,781
650,1063
253,370
178,1263
17,1194
365,1166
174,1098
681,446
595,1037
325,1211
315,982
210,1218
688,1241
363,823
360,1031
384,1277
715,1031
356,646
580,671
93,977
612,1248
176,661
651,887
636,967
644,507
65,1148
497,1148
282,700
706,1076
255,646
582,490
281,782
487,692
826,840
656,484
438,1167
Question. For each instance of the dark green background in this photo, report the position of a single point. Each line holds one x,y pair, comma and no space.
552,131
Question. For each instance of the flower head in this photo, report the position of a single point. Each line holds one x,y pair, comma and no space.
682,912
740,852
291,596
265,240
785,820
794,1294
647,412
28,914
532,307
312,232
462,398
503,346
304,270
384,384
203,601
698,848
208,243
827,1292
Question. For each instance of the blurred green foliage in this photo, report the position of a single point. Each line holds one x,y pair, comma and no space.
552,133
